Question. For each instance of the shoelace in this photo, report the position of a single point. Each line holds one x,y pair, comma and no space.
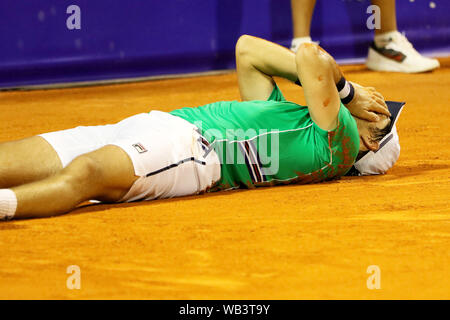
400,40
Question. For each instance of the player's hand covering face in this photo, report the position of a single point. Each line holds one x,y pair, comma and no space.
366,103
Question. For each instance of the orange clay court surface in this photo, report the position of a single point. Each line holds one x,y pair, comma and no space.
289,242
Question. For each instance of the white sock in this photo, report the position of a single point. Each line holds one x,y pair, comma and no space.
382,39
8,204
296,42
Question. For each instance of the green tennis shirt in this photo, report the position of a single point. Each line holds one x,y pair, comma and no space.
261,143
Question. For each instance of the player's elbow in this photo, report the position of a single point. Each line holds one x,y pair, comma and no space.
244,49
312,54
243,44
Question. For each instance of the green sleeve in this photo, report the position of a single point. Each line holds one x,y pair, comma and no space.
276,95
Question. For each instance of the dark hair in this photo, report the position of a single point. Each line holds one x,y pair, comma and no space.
378,134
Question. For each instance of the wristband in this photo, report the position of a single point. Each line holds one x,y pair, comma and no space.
345,89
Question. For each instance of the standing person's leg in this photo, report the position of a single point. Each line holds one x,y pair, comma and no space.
302,12
390,50
105,174
388,18
27,160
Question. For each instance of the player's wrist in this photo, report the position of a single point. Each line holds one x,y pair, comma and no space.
345,88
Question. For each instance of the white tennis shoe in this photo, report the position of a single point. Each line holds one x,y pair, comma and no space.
393,52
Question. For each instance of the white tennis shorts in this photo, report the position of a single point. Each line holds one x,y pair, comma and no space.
169,155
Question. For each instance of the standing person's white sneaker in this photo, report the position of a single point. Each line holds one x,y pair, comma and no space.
391,51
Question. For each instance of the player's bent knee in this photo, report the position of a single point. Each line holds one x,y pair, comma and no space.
82,177
83,168
106,174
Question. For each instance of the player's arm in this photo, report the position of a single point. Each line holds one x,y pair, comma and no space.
319,74
258,60
318,71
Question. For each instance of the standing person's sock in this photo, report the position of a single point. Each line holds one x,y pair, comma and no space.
381,40
8,204
296,42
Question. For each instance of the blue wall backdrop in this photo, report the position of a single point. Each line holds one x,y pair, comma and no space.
136,38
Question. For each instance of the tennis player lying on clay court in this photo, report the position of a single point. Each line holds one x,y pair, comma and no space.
262,141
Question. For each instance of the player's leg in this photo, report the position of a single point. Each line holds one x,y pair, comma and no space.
391,51
39,157
105,174
27,160
302,12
